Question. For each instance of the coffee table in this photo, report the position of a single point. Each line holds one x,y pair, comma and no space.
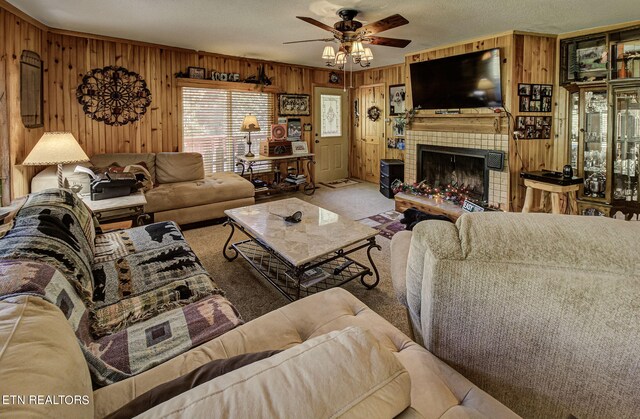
300,259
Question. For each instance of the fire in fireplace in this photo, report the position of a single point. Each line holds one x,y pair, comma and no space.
456,166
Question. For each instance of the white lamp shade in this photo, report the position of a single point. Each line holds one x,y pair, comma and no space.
357,50
250,124
329,53
367,56
56,148
341,58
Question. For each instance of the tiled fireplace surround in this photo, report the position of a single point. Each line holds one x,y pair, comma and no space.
498,181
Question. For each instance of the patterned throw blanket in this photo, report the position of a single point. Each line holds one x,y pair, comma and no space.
135,298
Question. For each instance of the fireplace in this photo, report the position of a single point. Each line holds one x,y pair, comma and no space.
440,166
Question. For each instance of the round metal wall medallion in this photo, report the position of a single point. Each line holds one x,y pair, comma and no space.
113,95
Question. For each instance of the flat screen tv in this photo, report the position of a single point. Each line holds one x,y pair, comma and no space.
461,81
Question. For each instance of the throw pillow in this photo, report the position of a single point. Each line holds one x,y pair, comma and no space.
345,373
175,387
142,174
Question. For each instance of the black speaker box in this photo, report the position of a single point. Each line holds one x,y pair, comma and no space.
495,160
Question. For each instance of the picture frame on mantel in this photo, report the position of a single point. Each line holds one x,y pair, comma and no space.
196,73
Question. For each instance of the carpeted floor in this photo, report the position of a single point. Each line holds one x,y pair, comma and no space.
253,296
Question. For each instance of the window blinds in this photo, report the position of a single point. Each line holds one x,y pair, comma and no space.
211,120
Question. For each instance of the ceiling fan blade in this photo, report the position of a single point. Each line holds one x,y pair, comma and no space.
383,24
387,42
319,24
310,40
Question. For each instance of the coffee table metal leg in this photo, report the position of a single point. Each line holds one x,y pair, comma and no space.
226,245
309,188
372,245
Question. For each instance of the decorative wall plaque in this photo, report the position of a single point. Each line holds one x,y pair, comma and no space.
293,105
113,95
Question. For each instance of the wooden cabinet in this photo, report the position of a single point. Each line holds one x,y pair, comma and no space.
625,187
604,120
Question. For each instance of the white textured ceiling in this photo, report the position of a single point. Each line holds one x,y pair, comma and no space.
257,28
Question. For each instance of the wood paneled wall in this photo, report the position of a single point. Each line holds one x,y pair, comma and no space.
68,56
17,35
534,61
364,158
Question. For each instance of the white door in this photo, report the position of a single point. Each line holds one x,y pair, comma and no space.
331,141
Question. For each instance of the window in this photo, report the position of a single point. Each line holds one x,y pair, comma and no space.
211,120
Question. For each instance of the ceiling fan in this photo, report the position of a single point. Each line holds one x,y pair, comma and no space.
349,31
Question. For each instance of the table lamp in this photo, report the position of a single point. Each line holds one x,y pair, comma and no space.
249,124
56,148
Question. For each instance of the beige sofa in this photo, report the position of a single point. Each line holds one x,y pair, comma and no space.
182,193
541,311
343,359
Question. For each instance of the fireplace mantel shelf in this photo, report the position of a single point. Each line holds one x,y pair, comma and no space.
461,115
482,123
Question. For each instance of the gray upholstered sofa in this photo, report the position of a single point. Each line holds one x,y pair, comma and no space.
181,192
541,311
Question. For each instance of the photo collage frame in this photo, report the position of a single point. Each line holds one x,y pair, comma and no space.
534,127
535,97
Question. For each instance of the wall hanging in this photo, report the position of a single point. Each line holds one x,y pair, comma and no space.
373,113
293,105
113,95
31,97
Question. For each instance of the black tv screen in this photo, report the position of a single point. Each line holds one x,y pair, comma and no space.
461,81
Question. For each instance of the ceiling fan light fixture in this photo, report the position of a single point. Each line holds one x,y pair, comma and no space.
341,59
368,55
329,54
357,50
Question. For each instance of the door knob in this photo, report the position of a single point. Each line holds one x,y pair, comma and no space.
317,141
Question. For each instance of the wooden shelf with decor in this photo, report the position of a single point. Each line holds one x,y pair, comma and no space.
270,166
226,85
483,123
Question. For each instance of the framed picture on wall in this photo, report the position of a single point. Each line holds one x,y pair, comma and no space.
397,95
534,127
534,97
293,105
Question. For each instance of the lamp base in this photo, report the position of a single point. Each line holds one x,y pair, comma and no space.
60,181
249,153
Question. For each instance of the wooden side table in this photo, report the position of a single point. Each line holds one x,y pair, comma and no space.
122,208
554,184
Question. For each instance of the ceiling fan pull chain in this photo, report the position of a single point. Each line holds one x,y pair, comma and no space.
344,77
350,74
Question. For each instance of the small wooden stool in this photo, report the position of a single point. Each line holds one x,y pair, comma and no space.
555,191
553,183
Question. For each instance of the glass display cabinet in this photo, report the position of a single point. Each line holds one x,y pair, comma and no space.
574,129
588,129
625,55
584,59
626,148
602,75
